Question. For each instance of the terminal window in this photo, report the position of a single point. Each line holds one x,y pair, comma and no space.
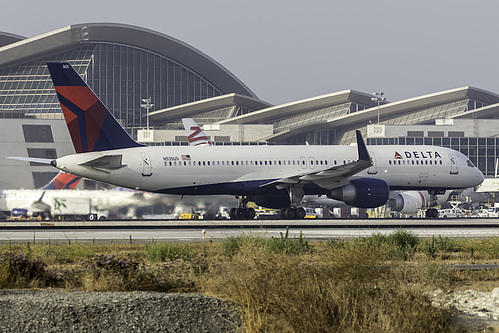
37,133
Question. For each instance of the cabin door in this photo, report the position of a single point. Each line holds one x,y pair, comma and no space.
146,165
373,169
453,164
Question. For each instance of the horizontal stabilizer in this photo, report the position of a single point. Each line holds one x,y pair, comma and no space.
32,159
110,162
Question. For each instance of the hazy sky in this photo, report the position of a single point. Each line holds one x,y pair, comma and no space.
289,50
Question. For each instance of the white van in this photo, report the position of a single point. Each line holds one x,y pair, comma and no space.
451,212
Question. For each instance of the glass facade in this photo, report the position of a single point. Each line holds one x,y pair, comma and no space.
120,75
483,152
314,116
420,116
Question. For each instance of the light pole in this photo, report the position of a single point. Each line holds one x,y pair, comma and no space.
378,99
147,106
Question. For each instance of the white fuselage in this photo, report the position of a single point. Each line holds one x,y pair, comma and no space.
242,170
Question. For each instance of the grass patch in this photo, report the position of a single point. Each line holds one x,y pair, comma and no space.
370,284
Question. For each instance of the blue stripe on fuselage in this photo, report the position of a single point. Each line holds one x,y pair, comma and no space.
249,188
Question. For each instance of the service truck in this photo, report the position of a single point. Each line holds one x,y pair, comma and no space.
75,209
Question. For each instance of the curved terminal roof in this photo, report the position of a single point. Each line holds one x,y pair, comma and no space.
206,105
22,50
8,38
363,117
289,109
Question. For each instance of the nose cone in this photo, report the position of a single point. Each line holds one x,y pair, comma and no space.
480,177
53,163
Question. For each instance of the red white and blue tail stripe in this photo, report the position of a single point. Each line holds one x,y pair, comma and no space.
91,126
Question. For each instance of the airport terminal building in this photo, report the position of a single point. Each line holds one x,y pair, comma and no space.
126,64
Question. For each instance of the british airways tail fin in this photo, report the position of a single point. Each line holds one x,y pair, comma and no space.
63,181
195,134
91,126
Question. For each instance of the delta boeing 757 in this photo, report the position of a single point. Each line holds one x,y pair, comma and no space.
270,176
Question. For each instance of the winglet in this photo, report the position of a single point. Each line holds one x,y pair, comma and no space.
361,146
91,126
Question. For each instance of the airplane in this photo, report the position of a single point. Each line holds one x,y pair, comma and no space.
270,176
403,202
38,202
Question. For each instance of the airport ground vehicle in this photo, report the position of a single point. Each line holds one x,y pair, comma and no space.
62,208
450,213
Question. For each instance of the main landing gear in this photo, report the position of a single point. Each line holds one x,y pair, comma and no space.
432,211
243,212
296,194
291,213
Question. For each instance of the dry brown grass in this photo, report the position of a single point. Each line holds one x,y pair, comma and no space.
374,284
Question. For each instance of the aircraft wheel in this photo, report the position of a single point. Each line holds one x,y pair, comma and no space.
300,213
92,217
232,213
250,213
239,213
290,213
431,213
282,213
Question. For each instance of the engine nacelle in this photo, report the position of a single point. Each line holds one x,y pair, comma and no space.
408,202
362,193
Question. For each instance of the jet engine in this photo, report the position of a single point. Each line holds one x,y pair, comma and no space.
362,193
408,202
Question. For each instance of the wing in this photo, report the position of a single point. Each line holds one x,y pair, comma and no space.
331,177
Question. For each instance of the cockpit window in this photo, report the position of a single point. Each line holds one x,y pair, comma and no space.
470,164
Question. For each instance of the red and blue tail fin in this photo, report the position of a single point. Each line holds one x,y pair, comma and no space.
91,126
63,181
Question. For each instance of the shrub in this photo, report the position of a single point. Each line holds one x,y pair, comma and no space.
114,273
405,243
159,252
18,271
288,245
